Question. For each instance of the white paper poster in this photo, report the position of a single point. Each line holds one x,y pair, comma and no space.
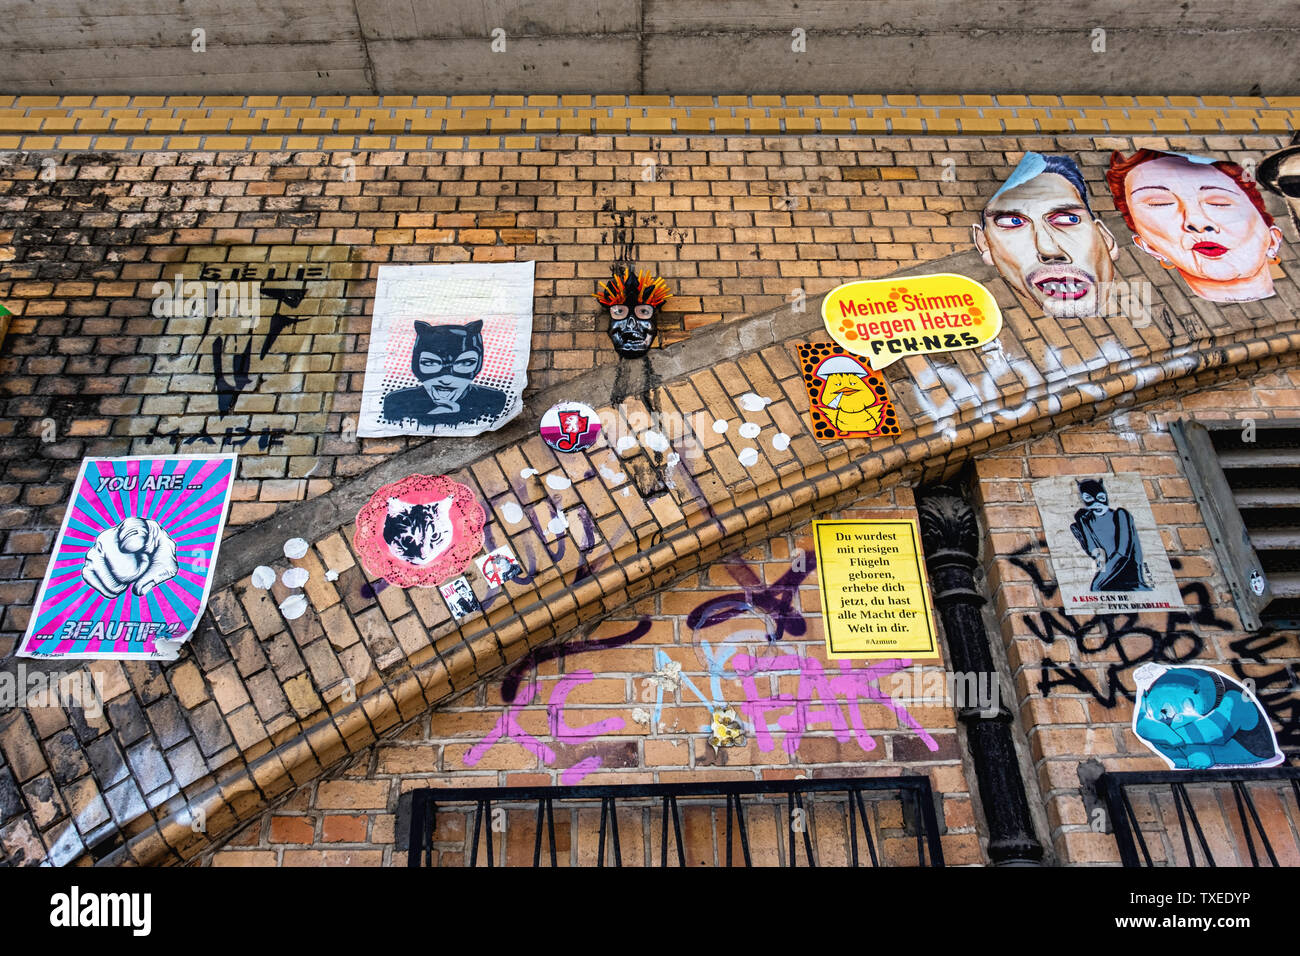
449,347
1105,548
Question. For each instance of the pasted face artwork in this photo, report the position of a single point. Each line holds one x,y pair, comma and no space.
1280,173
419,531
445,360
633,302
1203,218
1199,719
1040,233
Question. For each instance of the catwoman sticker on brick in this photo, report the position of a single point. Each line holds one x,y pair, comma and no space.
449,347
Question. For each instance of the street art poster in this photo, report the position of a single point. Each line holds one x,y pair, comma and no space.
632,301
1197,718
1279,173
875,600
1041,234
460,598
1105,548
420,531
570,426
1201,217
888,319
500,566
449,347
132,564
846,397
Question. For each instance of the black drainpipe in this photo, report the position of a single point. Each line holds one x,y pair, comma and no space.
951,539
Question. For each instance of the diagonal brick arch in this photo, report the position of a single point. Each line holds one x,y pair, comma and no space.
376,657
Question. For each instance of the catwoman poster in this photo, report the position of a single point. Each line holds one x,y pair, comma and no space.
1106,550
449,349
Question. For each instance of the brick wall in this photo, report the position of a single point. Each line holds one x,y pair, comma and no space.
597,714
252,714
1074,676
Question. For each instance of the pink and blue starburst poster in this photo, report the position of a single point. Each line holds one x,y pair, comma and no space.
132,564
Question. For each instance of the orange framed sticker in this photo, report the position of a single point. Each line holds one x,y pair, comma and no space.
846,397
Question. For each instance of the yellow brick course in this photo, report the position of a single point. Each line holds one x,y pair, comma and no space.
339,119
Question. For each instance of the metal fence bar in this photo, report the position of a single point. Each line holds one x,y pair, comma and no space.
913,790
1128,833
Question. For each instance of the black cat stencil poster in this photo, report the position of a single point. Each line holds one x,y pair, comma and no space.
449,348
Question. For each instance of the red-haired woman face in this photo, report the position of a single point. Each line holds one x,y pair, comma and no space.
1197,219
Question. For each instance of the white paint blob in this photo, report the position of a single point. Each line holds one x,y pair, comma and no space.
673,459
294,606
625,442
558,482
656,441
627,491
295,577
750,430
528,473
720,427
512,513
754,403
263,577
781,442
612,476
559,524
331,575
748,456
295,548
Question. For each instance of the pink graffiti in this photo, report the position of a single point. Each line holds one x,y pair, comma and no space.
508,728
819,699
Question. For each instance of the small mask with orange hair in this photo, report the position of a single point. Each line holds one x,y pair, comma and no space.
633,302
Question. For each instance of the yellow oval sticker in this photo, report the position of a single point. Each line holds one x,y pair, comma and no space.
889,319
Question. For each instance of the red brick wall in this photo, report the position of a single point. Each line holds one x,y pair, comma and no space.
1068,725
349,816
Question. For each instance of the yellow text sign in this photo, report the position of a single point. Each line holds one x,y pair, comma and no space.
889,319
875,602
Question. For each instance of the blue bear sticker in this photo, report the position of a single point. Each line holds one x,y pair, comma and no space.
1199,719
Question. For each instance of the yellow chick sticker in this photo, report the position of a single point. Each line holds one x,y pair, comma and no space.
846,397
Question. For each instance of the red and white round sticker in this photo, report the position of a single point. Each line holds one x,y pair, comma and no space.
570,426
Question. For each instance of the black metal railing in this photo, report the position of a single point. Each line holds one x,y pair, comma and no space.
865,804
1155,816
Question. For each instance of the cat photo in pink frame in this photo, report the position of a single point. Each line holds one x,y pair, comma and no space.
420,531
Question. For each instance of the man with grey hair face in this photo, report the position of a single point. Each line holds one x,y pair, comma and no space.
1280,173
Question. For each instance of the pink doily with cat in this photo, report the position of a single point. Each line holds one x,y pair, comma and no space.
420,531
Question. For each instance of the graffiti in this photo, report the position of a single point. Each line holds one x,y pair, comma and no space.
508,729
837,693
510,682
963,391
829,696
775,603
1119,639
236,436
1275,688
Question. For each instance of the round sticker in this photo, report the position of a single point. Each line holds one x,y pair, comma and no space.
420,531
570,426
